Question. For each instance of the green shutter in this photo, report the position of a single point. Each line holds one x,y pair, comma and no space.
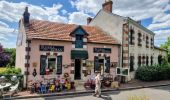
42,64
107,64
96,64
59,64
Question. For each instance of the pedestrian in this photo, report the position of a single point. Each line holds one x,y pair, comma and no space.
98,84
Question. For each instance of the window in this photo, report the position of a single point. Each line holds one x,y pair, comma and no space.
147,60
143,60
147,42
139,60
151,43
131,37
131,63
79,41
151,60
51,65
139,39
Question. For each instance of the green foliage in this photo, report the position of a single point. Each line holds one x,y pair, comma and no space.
10,71
153,73
167,47
12,53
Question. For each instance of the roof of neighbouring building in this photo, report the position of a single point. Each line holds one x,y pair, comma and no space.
38,29
160,48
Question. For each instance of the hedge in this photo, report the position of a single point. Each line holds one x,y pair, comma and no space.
153,73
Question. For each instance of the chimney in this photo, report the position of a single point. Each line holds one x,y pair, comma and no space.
107,6
89,19
139,22
26,16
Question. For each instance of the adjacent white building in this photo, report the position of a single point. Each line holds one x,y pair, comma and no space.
137,41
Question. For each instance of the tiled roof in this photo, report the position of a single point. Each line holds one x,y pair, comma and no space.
38,29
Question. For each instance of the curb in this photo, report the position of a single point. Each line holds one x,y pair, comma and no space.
85,92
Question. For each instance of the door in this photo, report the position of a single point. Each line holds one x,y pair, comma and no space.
77,74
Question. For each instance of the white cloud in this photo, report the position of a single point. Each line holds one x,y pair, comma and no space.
161,25
64,11
162,34
2,24
12,12
134,8
88,6
78,18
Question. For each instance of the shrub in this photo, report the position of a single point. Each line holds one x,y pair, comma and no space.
10,70
153,73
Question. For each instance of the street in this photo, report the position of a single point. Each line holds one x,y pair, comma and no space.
154,93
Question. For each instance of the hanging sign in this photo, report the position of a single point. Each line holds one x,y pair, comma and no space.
102,50
51,48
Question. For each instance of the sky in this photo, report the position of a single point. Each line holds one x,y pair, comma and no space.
154,14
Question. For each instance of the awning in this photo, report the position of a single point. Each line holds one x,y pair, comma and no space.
79,54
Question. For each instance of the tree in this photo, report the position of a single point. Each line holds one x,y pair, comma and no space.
12,53
167,47
4,57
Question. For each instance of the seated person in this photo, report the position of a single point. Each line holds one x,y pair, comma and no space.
33,88
58,86
67,84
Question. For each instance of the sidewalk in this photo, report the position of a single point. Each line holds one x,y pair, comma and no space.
134,84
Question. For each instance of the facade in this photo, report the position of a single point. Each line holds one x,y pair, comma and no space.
137,41
50,50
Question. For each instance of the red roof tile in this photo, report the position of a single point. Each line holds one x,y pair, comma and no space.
38,29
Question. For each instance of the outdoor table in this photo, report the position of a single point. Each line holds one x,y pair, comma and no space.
5,86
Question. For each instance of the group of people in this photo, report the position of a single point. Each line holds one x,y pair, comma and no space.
55,86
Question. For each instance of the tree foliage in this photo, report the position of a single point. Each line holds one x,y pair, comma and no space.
12,53
4,57
166,46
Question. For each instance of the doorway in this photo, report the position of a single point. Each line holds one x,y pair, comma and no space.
77,74
101,66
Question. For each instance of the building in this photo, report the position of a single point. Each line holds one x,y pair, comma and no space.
50,50
137,41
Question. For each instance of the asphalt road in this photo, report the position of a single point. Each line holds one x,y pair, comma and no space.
154,93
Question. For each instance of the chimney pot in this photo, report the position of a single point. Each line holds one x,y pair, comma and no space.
107,6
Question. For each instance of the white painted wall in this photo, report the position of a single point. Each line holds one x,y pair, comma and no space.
110,23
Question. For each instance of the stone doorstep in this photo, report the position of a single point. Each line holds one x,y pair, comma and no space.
87,91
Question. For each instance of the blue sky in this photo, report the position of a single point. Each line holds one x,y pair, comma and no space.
155,14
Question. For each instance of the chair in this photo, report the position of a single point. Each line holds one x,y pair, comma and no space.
14,89
43,88
52,88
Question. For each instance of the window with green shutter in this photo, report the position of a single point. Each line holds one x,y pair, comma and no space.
107,64
42,64
96,64
59,64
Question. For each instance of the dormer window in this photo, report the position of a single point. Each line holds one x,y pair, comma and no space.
79,41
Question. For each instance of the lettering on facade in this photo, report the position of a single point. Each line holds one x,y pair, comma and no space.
51,48
102,50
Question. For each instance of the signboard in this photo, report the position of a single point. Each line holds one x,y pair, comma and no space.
51,48
102,50
122,71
